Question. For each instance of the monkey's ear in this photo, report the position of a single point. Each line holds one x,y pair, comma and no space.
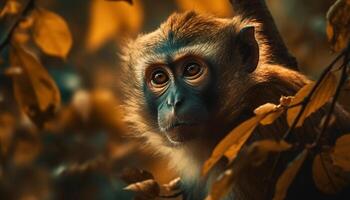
248,48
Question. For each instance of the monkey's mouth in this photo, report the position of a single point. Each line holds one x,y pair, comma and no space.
179,132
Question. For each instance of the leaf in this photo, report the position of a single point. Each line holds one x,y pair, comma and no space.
232,143
338,23
51,33
222,186
171,189
111,19
34,89
265,109
341,153
221,8
328,178
321,96
287,177
148,188
11,8
173,185
270,113
260,149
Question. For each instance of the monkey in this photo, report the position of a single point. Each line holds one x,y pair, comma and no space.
192,80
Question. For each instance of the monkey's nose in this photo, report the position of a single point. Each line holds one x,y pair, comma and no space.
174,102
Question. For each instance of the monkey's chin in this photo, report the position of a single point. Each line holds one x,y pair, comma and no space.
180,134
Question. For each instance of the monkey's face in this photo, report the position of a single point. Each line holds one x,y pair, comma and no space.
182,81
178,93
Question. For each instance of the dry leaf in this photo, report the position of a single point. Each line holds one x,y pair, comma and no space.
20,37
341,153
173,188
34,89
12,7
260,149
51,33
27,22
222,186
338,24
221,8
287,177
321,96
328,178
232,143
270,113
173,185
265,109
148,189
110,19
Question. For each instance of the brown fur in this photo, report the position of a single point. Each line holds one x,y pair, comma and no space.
240,93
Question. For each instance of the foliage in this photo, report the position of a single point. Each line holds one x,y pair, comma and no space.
330,176
42,126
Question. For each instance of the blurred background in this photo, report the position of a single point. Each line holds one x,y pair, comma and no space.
82,151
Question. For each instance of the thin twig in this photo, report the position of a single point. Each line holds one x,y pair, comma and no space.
304,103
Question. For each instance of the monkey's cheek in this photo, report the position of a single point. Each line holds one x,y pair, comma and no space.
181,134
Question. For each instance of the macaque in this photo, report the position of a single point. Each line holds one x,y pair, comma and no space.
190,82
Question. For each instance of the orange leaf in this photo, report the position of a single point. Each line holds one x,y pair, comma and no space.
338,23
328,178
232,143
287,177
111,19
341,154
35,91
148,188
10,8
321,96
221,8
51,33
221,187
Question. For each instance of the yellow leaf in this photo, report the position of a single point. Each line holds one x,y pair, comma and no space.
109,20
11,7
287,177
321,96
232,143
328,178
221,8
338,23
148,188
172,188
341,154
265,109
51,33
221,187
262,148
34,89
270,113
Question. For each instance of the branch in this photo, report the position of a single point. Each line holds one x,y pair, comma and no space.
307,99
5,39
277,52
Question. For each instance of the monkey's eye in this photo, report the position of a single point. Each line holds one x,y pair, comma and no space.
159,78
192,70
